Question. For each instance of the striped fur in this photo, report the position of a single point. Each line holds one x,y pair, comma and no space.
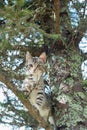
34,85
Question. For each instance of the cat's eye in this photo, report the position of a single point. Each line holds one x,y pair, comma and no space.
31,75
30,65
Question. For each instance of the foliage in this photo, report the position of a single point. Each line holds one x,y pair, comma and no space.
69,93
30,25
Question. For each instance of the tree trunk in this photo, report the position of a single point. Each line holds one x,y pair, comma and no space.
57,16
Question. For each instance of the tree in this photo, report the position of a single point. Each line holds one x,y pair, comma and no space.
55,27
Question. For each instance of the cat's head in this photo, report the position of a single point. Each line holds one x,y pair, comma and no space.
35,66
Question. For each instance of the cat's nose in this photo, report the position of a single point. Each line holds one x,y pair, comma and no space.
31,75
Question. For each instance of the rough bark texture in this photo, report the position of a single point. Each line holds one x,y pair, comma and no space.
57,16
35,114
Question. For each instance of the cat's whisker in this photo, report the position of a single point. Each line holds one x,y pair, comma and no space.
34,85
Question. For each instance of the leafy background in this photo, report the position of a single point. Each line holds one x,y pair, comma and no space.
57,28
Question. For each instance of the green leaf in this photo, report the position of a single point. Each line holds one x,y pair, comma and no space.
56,36
81,94
20,3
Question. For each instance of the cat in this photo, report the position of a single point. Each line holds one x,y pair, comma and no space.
34,86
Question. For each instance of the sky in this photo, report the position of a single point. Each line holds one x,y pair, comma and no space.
83,48
7,127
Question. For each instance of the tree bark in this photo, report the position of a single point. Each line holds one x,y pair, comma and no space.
57,17
4,78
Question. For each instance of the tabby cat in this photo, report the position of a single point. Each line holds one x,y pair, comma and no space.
34,85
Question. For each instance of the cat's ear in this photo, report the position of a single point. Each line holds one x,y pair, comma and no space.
28,56
43,57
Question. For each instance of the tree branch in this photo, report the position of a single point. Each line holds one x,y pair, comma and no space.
81,30
57,19
4,78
